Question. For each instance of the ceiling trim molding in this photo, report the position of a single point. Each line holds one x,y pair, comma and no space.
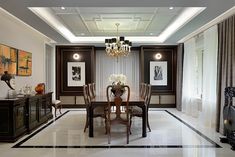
49,40
213,22
186,15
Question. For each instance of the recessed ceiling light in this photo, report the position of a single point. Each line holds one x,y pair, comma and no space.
62,8
151,33
82,33
171,8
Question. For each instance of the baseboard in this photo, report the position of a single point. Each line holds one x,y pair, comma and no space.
162,106
151,106
73,106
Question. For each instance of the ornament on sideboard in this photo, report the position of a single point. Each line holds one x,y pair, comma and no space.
9,79
27,89
40,88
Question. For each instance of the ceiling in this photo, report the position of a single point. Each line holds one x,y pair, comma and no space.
96,18
100,21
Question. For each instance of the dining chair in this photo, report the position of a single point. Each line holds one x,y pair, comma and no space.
136,111
97,112
143,91
93,89
56,104
118,117
141,88
90,92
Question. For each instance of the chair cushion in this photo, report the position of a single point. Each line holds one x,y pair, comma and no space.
98,110
56,102
135,110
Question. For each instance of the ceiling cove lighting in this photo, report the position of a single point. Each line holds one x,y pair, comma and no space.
116,47
47,15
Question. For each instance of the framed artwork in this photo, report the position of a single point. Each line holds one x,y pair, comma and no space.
158,73
8,59
76,74
24,63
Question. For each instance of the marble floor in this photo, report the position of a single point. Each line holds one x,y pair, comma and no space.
173,134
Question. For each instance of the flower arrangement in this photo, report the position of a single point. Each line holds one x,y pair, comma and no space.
117,79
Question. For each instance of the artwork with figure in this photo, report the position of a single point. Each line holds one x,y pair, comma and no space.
158,73
76,74
24,63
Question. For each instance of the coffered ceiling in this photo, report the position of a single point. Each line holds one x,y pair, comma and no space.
100,21
146,20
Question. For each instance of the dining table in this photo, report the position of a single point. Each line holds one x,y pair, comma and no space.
101,100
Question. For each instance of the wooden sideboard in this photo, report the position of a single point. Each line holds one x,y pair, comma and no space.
22,115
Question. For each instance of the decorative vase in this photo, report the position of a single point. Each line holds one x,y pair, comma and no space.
40,88
117,90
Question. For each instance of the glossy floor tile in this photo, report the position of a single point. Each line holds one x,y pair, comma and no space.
173,134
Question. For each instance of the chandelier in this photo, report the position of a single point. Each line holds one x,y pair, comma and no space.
116,47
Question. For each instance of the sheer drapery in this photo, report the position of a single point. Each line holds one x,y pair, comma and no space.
209,76
106,65
203,105
189,100
226,64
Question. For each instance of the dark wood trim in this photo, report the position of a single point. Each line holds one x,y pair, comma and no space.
169,54
162,105
63,56
73,106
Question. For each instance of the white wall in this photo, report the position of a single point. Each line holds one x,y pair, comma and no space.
16,34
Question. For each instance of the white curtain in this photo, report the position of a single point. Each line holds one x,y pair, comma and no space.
106,65
189,97
209,76
202,107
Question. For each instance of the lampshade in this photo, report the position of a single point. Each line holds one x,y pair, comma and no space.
118,46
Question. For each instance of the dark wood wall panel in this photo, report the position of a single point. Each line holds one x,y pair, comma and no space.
168,54
64,54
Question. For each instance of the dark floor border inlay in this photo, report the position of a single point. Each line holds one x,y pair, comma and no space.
124,146
214,145
195,130
18,145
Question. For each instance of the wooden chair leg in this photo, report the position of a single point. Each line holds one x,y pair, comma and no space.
60,108
130,124
148,125
55,110
86,125
128,130
109,132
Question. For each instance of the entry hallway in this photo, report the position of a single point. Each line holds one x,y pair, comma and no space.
173,134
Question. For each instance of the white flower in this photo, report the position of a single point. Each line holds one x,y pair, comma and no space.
117,78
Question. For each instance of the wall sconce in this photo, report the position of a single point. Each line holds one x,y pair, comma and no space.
158,56
9,79
76,56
